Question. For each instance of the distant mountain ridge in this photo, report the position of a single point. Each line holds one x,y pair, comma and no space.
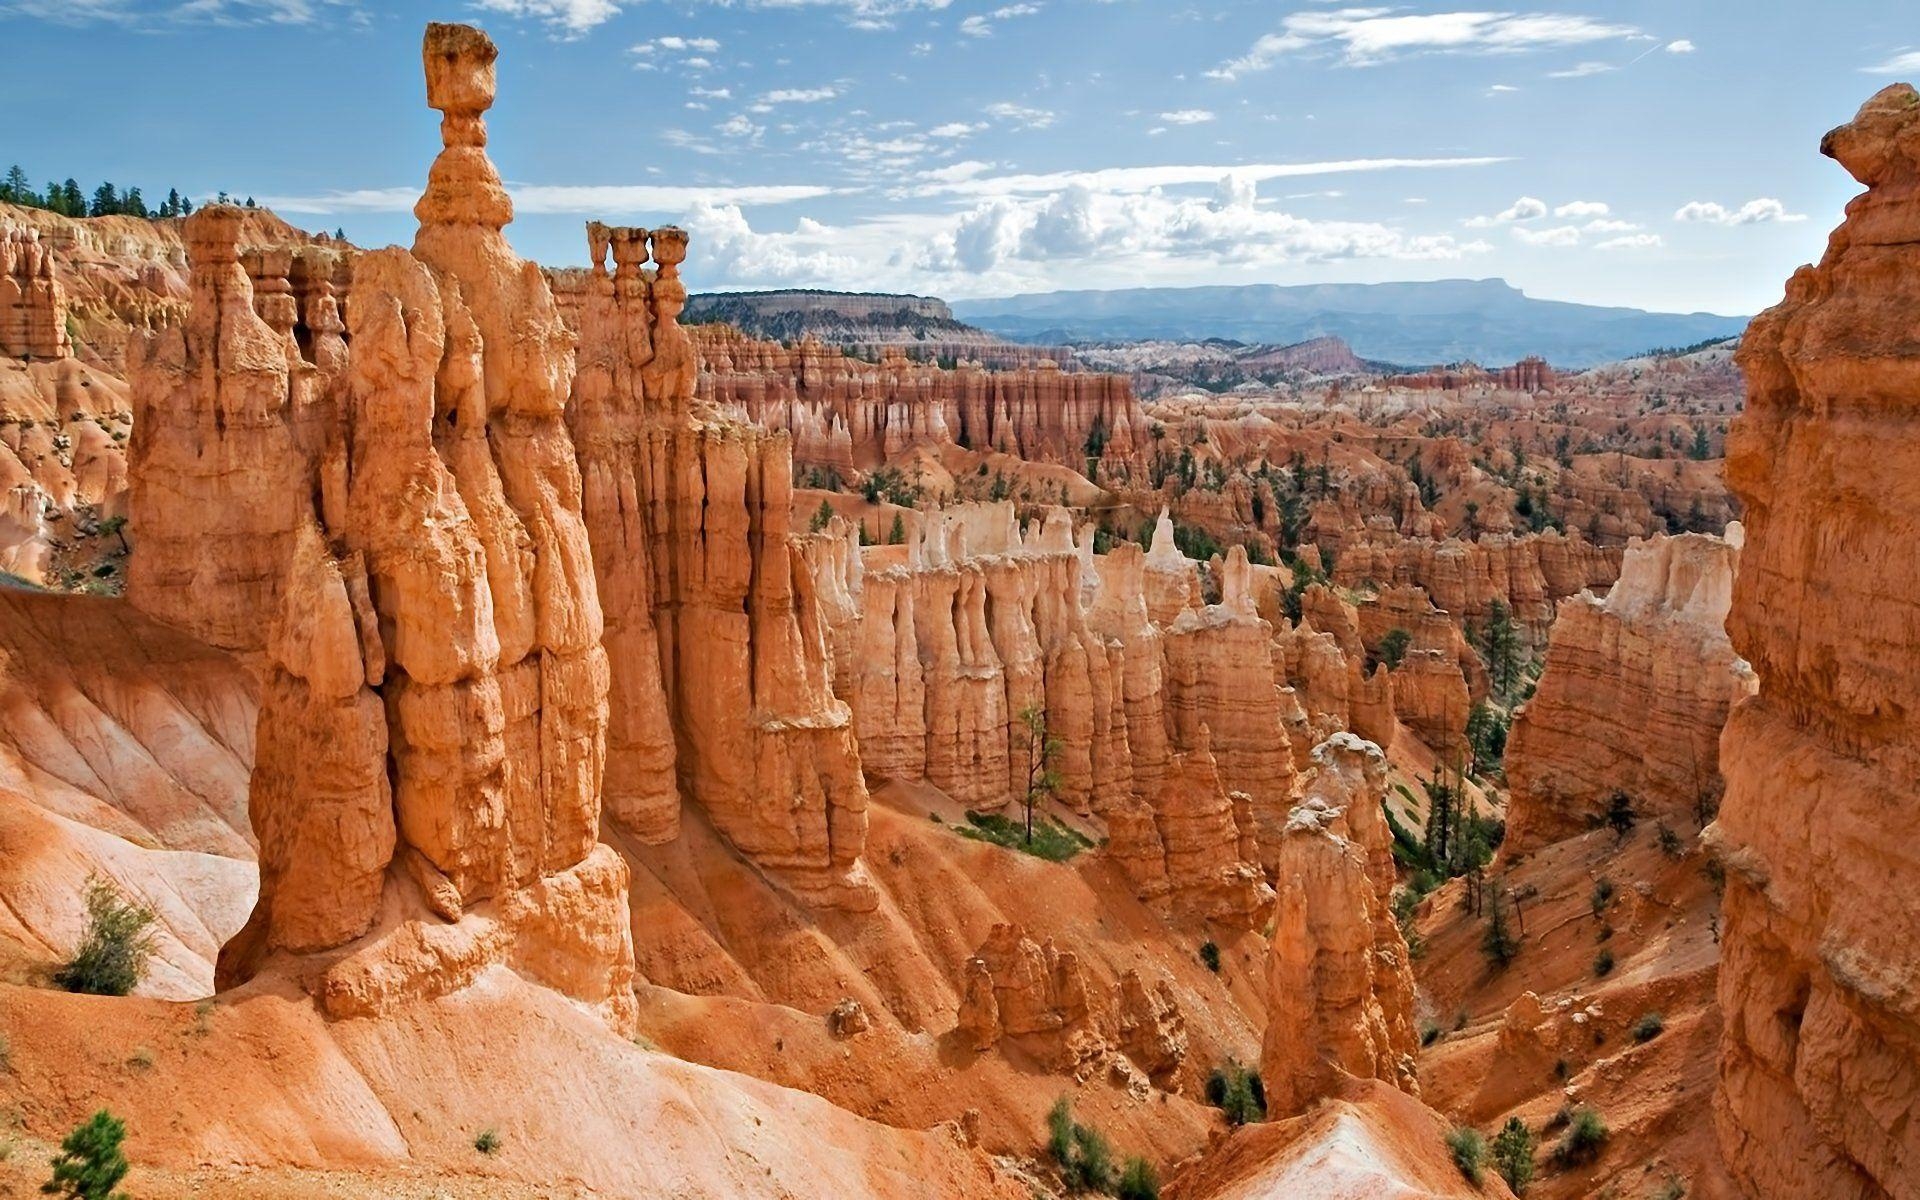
1486,321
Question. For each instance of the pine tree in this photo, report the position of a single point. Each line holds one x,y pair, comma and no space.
1498,942
172,206
54,200
133,204
16,189
106,201
90,1164
74,200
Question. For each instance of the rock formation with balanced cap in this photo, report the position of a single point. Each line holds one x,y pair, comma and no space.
1820,960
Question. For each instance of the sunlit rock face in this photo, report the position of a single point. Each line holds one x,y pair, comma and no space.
1634,695
1820,968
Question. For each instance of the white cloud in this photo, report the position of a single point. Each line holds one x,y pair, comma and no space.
1559,235
867,15
957,172
1610,226
134,13
1680,46
609,200
711,93
1187,116
1021,115
1081,222
1906,60
1753,212
737,126
705,45
1146,179
1582,70
732,251
1364,37
1502,88
1581,208
982,25
800,95
1084,219
574,16
954,129
1526,208
1633,241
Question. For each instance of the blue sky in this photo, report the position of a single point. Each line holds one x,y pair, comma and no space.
1660,154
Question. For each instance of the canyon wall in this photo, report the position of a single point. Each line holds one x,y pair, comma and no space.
851,415
1170,731
1527,573
1820,968
1633,698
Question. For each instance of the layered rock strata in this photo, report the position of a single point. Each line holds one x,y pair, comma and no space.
1527,573
1820,960
851,415
1172,736
33,305
722,675
436,692
1339,978
1634,696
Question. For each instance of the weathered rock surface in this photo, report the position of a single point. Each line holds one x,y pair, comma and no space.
33,305
1820,972
1527,573
851,415
435,695
1633,698
1159,728
1339,982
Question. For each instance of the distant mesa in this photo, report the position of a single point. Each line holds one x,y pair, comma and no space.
1442,321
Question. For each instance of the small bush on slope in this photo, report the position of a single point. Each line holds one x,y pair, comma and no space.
113,954
1469,1151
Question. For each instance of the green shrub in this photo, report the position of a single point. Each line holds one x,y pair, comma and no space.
1586,1136
90,1164
1648,1027
1621,815
1513,1154
1670,843
1139,1181
1085,1159
488,1142
1060,1131
1469,1151
1602,893
1238,1093
1051,841
1393,647
1603,964
113,954
1429,1034
1210,955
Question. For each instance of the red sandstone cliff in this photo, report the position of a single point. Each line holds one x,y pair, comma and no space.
1633,698
1820,971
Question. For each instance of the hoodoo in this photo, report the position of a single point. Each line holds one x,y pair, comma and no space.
1820,967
